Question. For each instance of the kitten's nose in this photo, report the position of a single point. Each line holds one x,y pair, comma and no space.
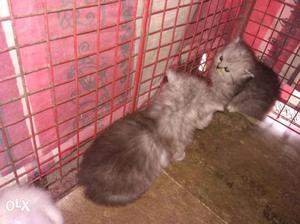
218,67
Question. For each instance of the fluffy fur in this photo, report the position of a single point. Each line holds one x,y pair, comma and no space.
39,208
255,97
125,159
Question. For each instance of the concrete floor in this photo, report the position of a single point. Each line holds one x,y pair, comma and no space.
233,173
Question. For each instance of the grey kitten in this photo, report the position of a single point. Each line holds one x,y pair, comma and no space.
126,157
258,95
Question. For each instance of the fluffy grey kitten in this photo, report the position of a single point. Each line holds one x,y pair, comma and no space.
27,205
126,157
258,95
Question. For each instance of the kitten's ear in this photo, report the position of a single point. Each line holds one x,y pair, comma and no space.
248,74
172,76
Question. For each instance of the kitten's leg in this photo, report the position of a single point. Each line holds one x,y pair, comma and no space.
179,153
179,156
206,116
164,160
203,122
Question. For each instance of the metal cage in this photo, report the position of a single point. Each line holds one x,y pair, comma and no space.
69,68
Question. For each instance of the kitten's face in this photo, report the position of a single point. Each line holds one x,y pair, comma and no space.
234,62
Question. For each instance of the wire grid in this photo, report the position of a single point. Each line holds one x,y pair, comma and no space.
162,33
210,27
273,31
36,171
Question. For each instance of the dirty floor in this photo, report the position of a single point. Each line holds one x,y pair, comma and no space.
233,173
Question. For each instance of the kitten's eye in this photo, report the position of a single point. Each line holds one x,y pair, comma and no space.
221,58
226,69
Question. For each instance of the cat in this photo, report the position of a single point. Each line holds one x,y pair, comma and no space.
27,205
223,83
259,94
126,157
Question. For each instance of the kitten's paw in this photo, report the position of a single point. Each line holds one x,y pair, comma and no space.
179,157
231,108
164,161
220,108
204,122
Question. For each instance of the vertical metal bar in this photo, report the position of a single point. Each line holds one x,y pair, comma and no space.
237,13
245,12
158,49
173,35
6,145
75,45
45,7
295,56
97,65
259,26
209,32
25,91
293,120
128,78
115,63
272,33
194,35
181,45
140,59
